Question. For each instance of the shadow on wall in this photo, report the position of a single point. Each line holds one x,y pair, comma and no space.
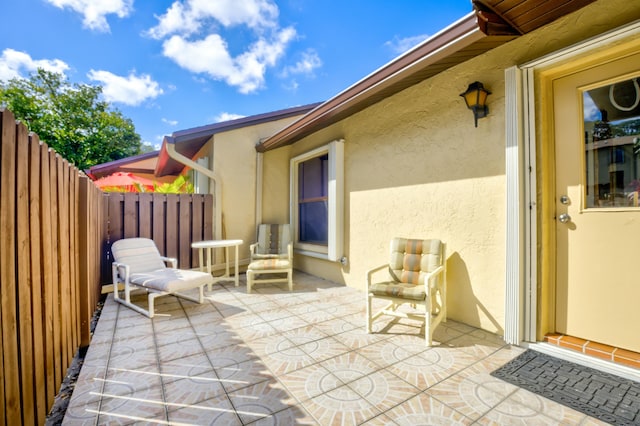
462,304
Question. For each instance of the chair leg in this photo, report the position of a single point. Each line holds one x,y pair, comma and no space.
249,280
427,324
368,313
290,277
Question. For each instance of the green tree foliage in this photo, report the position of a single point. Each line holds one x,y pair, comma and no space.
179,186
71,118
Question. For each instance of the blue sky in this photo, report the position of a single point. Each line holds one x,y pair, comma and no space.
174,65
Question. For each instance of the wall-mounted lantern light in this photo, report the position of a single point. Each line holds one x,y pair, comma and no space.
476,99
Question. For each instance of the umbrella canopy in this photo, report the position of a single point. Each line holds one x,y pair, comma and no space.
125,181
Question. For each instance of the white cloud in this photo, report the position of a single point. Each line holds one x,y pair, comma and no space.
306,65
401,45
14,63
187,17
170,122
591,111
226,116
188,29
95,11
211,56
131,90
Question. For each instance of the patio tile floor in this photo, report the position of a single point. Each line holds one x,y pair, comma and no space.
276,357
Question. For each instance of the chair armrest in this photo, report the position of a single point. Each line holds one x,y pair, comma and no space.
252,248
372,271
433,274
119,269
172,261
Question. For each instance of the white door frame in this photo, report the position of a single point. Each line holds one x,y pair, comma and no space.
521,186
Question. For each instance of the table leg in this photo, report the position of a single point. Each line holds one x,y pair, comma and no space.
226,261
209,263
236,270
201,259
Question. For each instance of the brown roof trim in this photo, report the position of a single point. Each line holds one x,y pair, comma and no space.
491,24
384,81
105,169
190,141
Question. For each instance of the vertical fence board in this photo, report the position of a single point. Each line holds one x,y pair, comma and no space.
130,215
10,367
35,209
145,217
208,218
105,254
159,221
23,281
116,217
63,265
55,270
73,250
171,230
86,223
196,228
47,270
184,234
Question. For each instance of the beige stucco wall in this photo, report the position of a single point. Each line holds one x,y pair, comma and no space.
415,166
235,162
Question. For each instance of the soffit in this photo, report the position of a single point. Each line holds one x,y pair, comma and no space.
525,15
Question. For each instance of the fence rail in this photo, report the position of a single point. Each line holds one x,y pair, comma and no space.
56,228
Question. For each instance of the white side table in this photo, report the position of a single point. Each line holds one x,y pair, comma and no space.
213,244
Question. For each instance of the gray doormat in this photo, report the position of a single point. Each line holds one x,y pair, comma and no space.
607,397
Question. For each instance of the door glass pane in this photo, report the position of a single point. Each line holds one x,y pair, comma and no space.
612,144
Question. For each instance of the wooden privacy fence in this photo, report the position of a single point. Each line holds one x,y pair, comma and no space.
56,228
172,221
51,222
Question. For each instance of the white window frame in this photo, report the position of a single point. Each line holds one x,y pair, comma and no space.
333,251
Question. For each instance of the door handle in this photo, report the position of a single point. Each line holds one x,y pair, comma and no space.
564,218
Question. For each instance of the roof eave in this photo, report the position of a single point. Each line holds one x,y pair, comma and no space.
454,38
194,139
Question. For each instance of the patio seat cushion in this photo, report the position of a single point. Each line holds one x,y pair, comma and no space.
396,289
170,280
267,264
412,259
270,256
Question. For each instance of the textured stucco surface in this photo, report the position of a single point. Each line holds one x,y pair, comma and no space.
416,167
235,162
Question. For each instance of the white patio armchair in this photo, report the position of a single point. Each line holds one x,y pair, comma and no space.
139,265
272,254
416,275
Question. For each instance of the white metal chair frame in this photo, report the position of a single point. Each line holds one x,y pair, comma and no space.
122,274
434,305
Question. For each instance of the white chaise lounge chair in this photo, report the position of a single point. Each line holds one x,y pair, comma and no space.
139,265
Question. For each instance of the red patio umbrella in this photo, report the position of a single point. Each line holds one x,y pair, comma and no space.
125,181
